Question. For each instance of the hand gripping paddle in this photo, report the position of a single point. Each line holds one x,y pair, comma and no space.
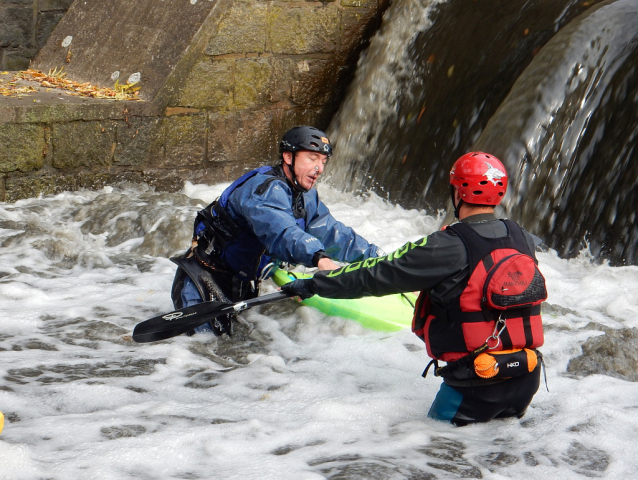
181,321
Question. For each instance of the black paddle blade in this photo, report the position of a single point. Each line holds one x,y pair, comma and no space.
181,321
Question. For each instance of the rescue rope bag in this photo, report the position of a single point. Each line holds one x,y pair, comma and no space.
506,363
496,323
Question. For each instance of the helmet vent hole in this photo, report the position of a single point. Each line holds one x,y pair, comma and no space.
500,194
465,184
314,144
477,192
484,182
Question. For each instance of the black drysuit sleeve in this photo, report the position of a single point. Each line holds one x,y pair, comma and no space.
438,259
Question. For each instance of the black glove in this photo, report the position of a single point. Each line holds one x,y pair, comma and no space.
299,287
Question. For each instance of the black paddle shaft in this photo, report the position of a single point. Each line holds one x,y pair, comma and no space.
185,319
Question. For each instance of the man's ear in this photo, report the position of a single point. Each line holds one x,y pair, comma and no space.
287,156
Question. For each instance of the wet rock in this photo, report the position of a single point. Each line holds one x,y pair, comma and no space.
449,455
12,417
231,135
378,470
340,458
589,462
204,380
34,344
47,21
495,460
558,310
530,459
104,331
615,353
60,373
113,433
136,389
286,449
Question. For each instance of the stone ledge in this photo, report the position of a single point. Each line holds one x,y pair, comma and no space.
47,105
19,186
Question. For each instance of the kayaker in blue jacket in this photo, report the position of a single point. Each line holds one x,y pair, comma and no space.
267,216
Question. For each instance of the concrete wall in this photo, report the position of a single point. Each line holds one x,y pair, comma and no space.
215,102
25,26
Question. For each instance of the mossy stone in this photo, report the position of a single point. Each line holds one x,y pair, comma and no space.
232,35
209,85
140,141
22,147
299,30
185,140
262,80
83,144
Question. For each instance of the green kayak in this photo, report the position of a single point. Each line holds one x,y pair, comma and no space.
385,314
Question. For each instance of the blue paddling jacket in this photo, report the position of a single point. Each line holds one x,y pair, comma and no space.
261,219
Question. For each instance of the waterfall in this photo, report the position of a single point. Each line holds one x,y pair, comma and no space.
548,86
568,131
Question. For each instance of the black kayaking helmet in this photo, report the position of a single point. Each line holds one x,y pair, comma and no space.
304,138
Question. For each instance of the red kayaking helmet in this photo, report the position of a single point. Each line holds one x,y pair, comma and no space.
480,178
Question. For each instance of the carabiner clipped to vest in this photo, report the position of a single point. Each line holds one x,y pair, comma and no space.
496,334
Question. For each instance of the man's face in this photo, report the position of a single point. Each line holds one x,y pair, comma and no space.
308,166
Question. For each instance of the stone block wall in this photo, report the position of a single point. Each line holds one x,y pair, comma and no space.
264,67
271,65
25,26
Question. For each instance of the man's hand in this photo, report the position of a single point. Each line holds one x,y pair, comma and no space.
326,264
299,287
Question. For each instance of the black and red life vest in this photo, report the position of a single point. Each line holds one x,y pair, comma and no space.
504,283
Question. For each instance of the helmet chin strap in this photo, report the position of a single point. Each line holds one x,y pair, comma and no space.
295,182
456,207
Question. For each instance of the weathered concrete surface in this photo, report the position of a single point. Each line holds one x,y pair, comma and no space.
101,41
221,80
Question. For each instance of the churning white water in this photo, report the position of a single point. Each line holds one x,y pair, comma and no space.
294,395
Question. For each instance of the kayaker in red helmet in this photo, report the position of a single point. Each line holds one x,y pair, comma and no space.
479,307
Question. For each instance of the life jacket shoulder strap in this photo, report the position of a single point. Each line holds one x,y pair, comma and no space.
478,247
215,217
298,204
223,199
